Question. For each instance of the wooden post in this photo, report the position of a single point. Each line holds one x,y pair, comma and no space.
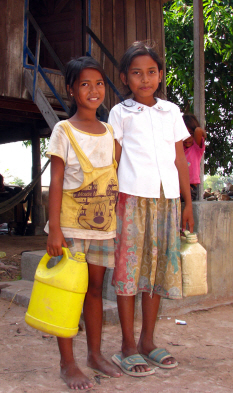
158,35
199,74
38,211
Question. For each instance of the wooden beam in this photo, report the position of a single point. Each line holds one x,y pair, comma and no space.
148,20
157,33
130,22
38,211
199,74
15,132
140,19
36,166
95,17
18,104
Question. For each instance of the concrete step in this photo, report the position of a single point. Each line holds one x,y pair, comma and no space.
31,259
19,292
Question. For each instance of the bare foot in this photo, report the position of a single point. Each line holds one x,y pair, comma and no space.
74,377
98,362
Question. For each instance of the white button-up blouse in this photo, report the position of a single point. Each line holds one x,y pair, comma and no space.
148,136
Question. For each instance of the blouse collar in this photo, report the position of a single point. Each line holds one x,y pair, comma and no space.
133,106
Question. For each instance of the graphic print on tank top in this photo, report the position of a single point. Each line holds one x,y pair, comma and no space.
96,208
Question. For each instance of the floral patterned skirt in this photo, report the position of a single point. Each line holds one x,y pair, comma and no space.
147,246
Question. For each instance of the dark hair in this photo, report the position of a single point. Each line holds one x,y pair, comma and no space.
139,48
73,70
191,121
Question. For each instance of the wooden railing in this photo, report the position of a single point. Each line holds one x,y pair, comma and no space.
35,66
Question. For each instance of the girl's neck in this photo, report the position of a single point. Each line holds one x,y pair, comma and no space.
148,101
84,115
87,121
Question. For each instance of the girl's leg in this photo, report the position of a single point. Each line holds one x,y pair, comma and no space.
93,316
126,315
70,372
150,307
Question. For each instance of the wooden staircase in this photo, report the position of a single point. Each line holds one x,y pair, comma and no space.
31,72
40,100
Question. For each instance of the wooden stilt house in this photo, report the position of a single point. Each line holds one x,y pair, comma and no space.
38,37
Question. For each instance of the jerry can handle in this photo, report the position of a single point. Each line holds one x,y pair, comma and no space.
46,258
184,233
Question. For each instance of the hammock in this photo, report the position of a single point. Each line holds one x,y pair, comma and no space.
12,202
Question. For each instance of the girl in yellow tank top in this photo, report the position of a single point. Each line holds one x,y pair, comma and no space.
83,213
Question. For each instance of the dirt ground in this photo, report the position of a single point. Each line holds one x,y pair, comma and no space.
29,361
13,246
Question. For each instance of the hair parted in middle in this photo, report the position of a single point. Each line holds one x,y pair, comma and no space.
139,48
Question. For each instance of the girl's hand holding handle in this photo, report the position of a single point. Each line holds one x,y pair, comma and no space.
55,243
187,218
182,167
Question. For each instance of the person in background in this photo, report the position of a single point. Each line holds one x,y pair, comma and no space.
194,148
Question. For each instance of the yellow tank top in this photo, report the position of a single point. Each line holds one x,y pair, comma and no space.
92,205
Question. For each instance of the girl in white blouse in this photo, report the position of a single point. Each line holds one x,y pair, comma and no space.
149,134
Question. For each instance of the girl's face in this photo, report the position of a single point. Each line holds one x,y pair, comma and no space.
89,90
143,79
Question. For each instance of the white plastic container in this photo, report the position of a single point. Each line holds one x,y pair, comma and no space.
194,266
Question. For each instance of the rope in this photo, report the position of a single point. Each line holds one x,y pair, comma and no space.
12,202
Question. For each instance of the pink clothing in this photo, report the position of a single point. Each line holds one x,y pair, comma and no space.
193,155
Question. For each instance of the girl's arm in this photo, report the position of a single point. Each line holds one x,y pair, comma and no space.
55,238
198,134
118,149
182,167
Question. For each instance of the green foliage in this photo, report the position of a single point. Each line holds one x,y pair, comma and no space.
9,179
43,145
17,181
218,44
217,182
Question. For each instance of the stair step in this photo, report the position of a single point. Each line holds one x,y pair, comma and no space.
41,101
61,114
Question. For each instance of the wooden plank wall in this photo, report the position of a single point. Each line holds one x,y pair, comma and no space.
118,23
11,60
11,44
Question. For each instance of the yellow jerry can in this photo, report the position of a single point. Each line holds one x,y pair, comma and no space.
58,294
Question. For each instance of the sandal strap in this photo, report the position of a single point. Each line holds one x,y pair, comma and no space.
132,361
159,354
